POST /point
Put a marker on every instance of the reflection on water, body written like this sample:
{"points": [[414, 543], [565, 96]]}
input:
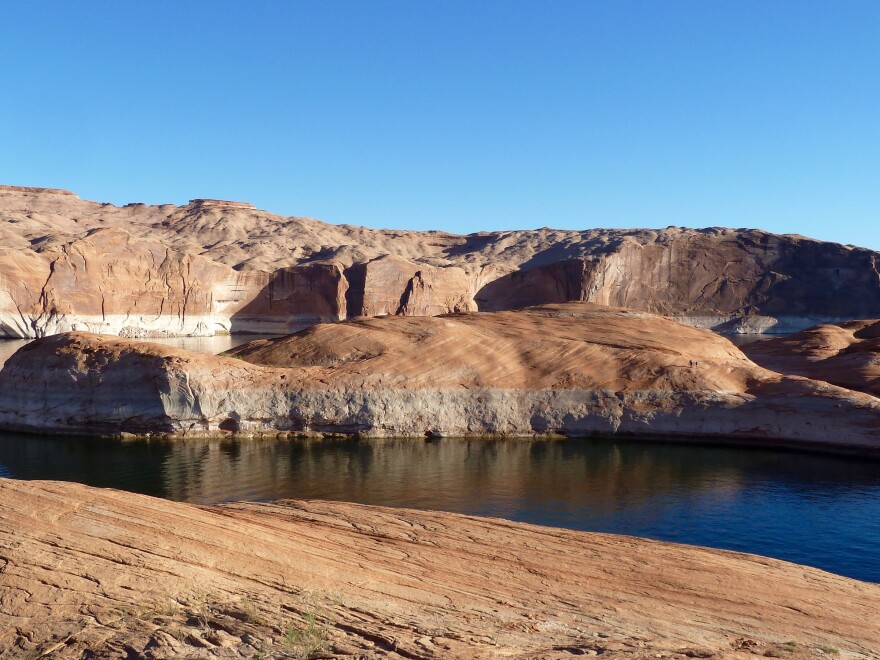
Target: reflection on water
{"points": [[744, 340], [817, 510], [212, 345], [8, 347]]}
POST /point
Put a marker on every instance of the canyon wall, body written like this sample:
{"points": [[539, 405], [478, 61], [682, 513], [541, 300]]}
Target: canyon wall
{"points": [[214, 266]]}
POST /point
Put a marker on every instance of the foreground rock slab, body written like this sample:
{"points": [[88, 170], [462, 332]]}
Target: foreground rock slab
{"points": [[99, 573], [572, 369]]}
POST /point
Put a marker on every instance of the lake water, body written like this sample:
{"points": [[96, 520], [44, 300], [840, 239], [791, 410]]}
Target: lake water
{"points": [[822, 511], [212, 345], [818, 510]]}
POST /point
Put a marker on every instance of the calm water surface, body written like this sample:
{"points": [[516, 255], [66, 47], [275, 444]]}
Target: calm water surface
{"points": [[818, 510], [212, 345]]}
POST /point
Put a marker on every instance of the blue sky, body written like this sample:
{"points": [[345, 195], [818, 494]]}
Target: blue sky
{"points": [[457, 115]]}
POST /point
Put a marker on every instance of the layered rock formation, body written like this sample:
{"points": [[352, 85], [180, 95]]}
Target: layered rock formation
{"points": [[104, 574], [845, 354], [571, 369], [214, 266], [112, 283]]}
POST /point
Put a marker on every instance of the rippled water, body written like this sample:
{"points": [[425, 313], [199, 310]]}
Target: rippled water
{"points": [[818, 510]]}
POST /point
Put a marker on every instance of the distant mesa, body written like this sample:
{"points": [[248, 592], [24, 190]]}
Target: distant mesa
{"points": [[36, 190], [221, 202]]}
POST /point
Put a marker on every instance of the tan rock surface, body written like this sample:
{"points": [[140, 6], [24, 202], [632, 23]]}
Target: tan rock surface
{"points": [[105, 574], [845, 354], [391, 285], [573, 369], [220, 257]]}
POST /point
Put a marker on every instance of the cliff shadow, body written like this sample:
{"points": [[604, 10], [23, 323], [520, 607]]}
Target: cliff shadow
{"points": [[562, 281], [294, 298]]}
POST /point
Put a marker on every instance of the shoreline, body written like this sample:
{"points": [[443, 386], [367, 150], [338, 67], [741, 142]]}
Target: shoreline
{"points": [[769, 333], [795, 446]]}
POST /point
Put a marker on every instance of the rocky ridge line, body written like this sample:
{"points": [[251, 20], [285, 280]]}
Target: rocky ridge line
{"points": [[215, 266]]}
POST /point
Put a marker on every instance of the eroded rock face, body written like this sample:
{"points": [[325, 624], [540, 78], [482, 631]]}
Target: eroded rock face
{"points": [[731, 280], [845, 354], [395, 286], [570, 369], [130, 575], [111, 283], [293, 298], [227, 266]]}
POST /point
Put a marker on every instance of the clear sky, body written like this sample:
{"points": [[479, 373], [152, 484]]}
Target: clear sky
{"points": [[461, 115]]}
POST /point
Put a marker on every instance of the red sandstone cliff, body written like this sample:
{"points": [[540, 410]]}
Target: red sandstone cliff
{"points": [[216, 266]]}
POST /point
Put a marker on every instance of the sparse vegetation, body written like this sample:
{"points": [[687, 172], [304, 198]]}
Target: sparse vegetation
{"points": [[197, 608], [304, 642], [250, 613]]}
